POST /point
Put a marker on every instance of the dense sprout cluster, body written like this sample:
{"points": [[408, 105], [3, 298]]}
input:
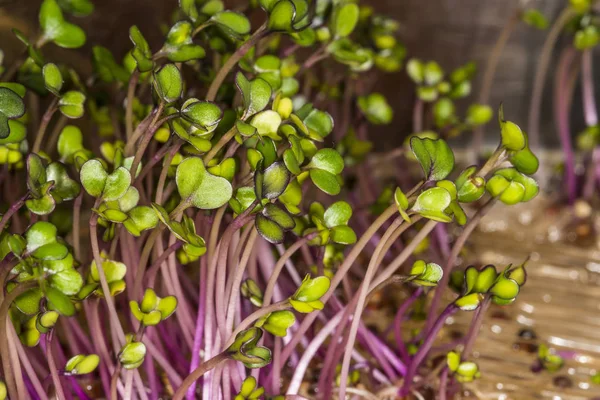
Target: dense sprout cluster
{"points": [[213, 209]]}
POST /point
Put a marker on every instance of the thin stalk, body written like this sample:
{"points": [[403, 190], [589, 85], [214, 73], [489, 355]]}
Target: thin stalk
{"points": [[199, 326], [233, 60], [219, 145], [133, 81], [417, 117], [9, 379], [152, 271], [342, 271], [490, 71], [564, 87], [44, 125], [113, 315], [146, 138], [449, 265], [139, 131], [280, 264], [237, 280], [540, 76], [113, 382], [425, 347], [402, 310], [35, 382], [587, 84], [12, 210], [362, 296], [256, 315], [60, 394], [197, 374], [475, 327]]}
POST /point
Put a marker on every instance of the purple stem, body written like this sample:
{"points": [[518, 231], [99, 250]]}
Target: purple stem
{"points": [[425, 347], [402, 310], [199, 328], [563, 87]]}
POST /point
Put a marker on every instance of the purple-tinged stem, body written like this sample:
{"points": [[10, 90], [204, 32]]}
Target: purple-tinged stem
{"points": [[425, 347], [12, 210], [564, 87], [451, 260], [199, 327], [589, 98], [60, 394], [540, 76], [475, 327], [443, 384], [402, 310]]}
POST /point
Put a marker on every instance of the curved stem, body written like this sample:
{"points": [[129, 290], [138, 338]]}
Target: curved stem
{"points": [[425, 347], [44, 125], [4, 347], [233, 60], [449, 265], [113, 383], [12, 210], [475, 327], [362, 296], [146, 138], [540, 76], [589, 98], [197, 374], [280, 264], [152, 271], [261, 312], [60, 394]]}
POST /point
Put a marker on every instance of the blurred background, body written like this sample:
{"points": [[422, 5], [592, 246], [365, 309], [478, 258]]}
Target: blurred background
{"points": [[451, 32]]}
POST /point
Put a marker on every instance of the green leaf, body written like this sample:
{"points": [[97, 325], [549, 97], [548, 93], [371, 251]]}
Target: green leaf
{"points": [[11, 107], [93, 177], [344, 20], [82, 364], [512, 137], [281, 16], [267, 123], [166, 306], [64, 187], [179, 46], [71, 104], [343, 234], [269, 229], [279, 216], [376, 108], [141, 51], [132, 355], [56, 29], [106, 67], [53, 79], [312, 289], [274, 180], [256, 94], [70, 141], [116, 184], [68, 282], [202, 114], [469, 302], [327, 160], [338, 213], [426, 274], [325, 181], [80, 8], [435, 156], [469, 187], [278, 322], [143, 217], [60, 302], [43, 205], [232, 22], [45, 321], [432, 204], [40, 234], [319, 124], [202, 189], [505, 289], [479, 114], [29, 302], [168, 83]]}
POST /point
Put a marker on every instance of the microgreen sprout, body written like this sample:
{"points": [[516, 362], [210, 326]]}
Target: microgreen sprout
{"points": [[157, 244]]}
